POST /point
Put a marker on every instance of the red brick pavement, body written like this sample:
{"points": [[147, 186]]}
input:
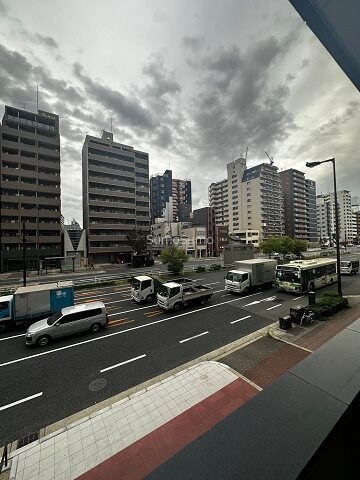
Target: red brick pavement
{"points": [[327, 330], [148, 453], [279, 362]]}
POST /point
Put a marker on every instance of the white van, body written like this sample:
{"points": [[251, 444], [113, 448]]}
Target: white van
{"points": [[87, 317]]}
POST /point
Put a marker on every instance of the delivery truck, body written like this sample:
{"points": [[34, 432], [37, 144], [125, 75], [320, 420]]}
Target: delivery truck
{"points": [[250, 274], [175, 296], [145, 288], [349, 267], [32, 303]]}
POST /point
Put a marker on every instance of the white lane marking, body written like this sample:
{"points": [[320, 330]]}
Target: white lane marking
{"points": [[86, 291], [267, 299], [123, 363], [207, 284], [13, 336], [240, 319], [191, 338], [118, 301], [298, 298], [226, 295], [121, 332], [275, 306], [20, 401], [199, 279]]}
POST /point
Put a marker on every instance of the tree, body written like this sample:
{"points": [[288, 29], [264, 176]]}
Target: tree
{"points": [[270, 245], [300, 246], [136, 238], [174, 258], [286, 245]]}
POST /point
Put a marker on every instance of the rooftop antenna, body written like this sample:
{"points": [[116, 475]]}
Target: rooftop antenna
{"points": [[37, 97], [246, 152], [111, 124], [270, 158]]}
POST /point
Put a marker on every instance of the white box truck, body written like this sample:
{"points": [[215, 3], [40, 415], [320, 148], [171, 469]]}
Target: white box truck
{"points": [[249, 274], [349, 267], [175, 296]]}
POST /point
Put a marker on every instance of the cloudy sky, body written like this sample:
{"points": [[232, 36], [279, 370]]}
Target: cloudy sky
{"points": [[191, 82]]}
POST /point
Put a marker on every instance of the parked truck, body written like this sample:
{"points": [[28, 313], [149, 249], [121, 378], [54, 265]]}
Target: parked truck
{"points": [[32, 303], [141, 260], [249, 274], [349, 267], [145, 288], [175, 296]]}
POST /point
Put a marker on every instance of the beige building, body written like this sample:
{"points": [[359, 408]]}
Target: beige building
{"points": [[30, 187], [218, 200], [115, 196]]}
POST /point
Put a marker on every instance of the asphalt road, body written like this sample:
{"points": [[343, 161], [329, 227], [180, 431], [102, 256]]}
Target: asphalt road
{"points": [[140, 342]]}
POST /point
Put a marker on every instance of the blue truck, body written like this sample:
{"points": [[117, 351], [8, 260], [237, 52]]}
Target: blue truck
{"points": [[32, 303]]}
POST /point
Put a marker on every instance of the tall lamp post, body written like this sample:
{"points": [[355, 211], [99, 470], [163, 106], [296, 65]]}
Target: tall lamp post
{"points": [[337, 234]]}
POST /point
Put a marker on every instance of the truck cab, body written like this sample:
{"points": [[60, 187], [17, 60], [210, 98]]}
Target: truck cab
{"points": [[143, 289], [170, 296], [6, 307], [237, 281]]}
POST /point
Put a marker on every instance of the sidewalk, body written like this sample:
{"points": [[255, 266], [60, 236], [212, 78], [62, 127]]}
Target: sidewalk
{"points": [[131, 437]]}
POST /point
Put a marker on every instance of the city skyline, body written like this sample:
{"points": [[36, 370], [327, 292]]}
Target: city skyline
{"points": [[185, 92]]}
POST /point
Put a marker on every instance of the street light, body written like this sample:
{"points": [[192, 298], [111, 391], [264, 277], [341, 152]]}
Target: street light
{"points": [[337, 234]]}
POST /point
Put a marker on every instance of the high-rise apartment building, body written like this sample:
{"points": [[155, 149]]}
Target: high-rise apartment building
{"points": [[218, 199], [250, 199], [325, 207], [182, 200], [262, 201], [161, 204], [170, 198], [30, 187], [299, 205], [115, 196]]}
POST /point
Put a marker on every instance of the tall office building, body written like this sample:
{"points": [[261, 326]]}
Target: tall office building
{"points": [[325, 207], [30, 187], [218, 199], [161, 205], [299, 205], [115, 196], [182, 200]]}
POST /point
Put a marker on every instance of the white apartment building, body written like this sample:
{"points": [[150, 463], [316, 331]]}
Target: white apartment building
{"points": [[218, 200], [325, 209]]}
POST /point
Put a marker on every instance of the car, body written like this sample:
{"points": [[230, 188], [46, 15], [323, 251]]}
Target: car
{"points": [[86, 317]]}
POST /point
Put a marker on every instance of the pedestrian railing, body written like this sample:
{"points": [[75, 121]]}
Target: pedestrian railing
{"points": [[4, 458]]}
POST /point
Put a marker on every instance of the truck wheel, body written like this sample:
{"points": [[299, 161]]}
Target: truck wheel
{"points": [[149, 299], [95, 327], [247, 290], [203, 301], [177, 307], [43, 341]]}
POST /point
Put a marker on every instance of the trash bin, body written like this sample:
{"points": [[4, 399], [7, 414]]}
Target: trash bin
{"points": [[285, 322], [296, 313], [312, 299]]}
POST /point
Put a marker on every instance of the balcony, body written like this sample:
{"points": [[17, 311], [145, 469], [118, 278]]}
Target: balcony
{"points": [[110, 249], [111, 193]]}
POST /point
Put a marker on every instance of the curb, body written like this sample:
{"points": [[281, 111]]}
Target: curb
{"points": [[275, 337]]}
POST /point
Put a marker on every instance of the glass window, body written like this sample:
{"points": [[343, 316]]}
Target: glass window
{"points": [[145, 284]]}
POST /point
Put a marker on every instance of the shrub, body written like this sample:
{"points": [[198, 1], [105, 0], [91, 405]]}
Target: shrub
{"points": [[329, 304], [215, 267], [200, 269]]}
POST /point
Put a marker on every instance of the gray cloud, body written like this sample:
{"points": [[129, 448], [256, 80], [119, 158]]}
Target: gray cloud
{"points": [[128, 110], [193, 43], [161, 81], [47, 41]]}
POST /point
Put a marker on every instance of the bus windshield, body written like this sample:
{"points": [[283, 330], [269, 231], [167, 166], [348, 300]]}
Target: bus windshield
{"points": [[288, 274]]}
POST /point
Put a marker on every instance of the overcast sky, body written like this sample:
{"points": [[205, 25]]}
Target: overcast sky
{"points": [[191, 82]]}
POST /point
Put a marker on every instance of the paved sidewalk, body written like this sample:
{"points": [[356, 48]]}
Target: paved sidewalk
{"points": [[132, 437], [157, 414]]}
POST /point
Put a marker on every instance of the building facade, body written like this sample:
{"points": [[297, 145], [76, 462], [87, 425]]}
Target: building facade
{"points": [[75, 245], [205, 217], [115, 196], [161, 205], [299, 205], [182, 200], [325, 207], [218, 200], [30, 187]]}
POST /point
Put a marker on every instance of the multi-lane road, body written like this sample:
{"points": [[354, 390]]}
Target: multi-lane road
{"points": [[41, 386]]}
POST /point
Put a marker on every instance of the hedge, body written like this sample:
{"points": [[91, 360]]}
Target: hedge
{"points": [[329, 304]]}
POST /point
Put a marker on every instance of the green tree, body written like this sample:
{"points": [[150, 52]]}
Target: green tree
{"points": [[300, 246], [270, 245], [136, 238], [175, 258], [286, 245]]}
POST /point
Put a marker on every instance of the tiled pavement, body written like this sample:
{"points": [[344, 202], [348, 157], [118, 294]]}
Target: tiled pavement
{"points": [[129, 439]]}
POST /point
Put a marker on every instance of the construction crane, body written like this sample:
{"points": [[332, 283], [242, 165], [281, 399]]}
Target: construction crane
{"points": [[270, 158]]}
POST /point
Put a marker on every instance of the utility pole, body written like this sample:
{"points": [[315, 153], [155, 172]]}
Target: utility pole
{"points": [[24, 254]]}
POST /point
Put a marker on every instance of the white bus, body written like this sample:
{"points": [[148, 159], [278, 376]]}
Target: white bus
{"points": [[306, 275]]}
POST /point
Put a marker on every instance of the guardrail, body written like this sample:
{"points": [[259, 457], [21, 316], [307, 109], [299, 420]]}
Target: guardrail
{"points": [[4, 458]]}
